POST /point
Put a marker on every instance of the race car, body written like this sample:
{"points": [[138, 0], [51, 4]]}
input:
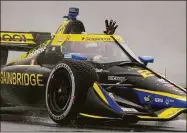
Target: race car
{"points": [[73, 74]]}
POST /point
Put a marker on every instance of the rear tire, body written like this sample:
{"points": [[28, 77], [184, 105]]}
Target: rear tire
{"points": [[66, 89]]}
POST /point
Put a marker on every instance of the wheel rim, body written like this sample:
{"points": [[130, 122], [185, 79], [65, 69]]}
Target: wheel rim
{"points": [[59, 92]]}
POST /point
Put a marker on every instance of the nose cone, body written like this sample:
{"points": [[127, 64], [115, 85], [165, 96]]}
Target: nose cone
{"points": [[177, 103]]}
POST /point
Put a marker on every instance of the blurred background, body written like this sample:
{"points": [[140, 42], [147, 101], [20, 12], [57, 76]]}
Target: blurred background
{"points": [[156, 28]]}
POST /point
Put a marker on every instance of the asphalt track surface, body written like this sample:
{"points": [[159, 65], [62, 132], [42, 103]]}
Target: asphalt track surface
{"points": [[20, 123]]}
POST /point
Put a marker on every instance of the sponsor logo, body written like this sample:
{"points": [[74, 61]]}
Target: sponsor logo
{"points": [[168, 101], [68, 37], [129, 109], [165, 83], [37, 51], [68, 55], [96, 39], [147, 98], [145, 73], [62, 65], [111, 95], [159, 100], [115, 78], [24, 79], [14, 37], [162, 81]]}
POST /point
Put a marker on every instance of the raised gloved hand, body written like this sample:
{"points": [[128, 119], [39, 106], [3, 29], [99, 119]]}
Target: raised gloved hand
{"points": [[110, 27]]}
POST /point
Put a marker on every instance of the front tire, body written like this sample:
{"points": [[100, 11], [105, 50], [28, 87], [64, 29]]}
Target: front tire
{"points": [[66, 89]]}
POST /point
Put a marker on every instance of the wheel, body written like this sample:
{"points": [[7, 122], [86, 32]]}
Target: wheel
{"points": [[66, 89]]}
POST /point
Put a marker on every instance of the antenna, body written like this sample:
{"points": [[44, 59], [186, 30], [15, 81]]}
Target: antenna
{"points": [[165, 73]]}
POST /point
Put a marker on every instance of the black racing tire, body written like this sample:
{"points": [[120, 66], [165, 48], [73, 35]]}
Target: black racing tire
{"points": [[52, 55], [72, 79]]}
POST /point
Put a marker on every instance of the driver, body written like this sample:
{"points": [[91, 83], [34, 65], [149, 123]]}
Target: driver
{"points": [[110, 30], [85, 49]]}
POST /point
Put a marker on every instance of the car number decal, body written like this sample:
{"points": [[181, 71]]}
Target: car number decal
{"points": [[145, 73]]}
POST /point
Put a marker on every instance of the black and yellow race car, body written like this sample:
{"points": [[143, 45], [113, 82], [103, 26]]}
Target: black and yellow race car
{"points": [[73, 74]]}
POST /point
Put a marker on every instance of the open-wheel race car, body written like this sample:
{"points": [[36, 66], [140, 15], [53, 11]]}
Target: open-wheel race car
{"points": [[73, 74]]}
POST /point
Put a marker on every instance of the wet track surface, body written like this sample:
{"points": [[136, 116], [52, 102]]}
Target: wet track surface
{"points": [[33, 123]]}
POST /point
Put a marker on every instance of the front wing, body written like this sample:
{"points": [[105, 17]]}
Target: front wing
{"points": [[97, 97]]}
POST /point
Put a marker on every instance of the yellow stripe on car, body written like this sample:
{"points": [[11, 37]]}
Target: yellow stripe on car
{"points": [[62, 27], [163, 94], [92, 116], [166, 114], [59, 39], [99, 92]]}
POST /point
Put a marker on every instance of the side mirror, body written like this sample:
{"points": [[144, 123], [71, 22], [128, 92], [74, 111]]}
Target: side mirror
{"points": [[146, 59]]}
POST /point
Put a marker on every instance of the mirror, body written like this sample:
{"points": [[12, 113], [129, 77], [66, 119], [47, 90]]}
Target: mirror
{"points": [[146, 59]]}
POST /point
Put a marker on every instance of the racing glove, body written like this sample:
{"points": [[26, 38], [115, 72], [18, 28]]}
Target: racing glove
{"points": [[110, 27]]}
